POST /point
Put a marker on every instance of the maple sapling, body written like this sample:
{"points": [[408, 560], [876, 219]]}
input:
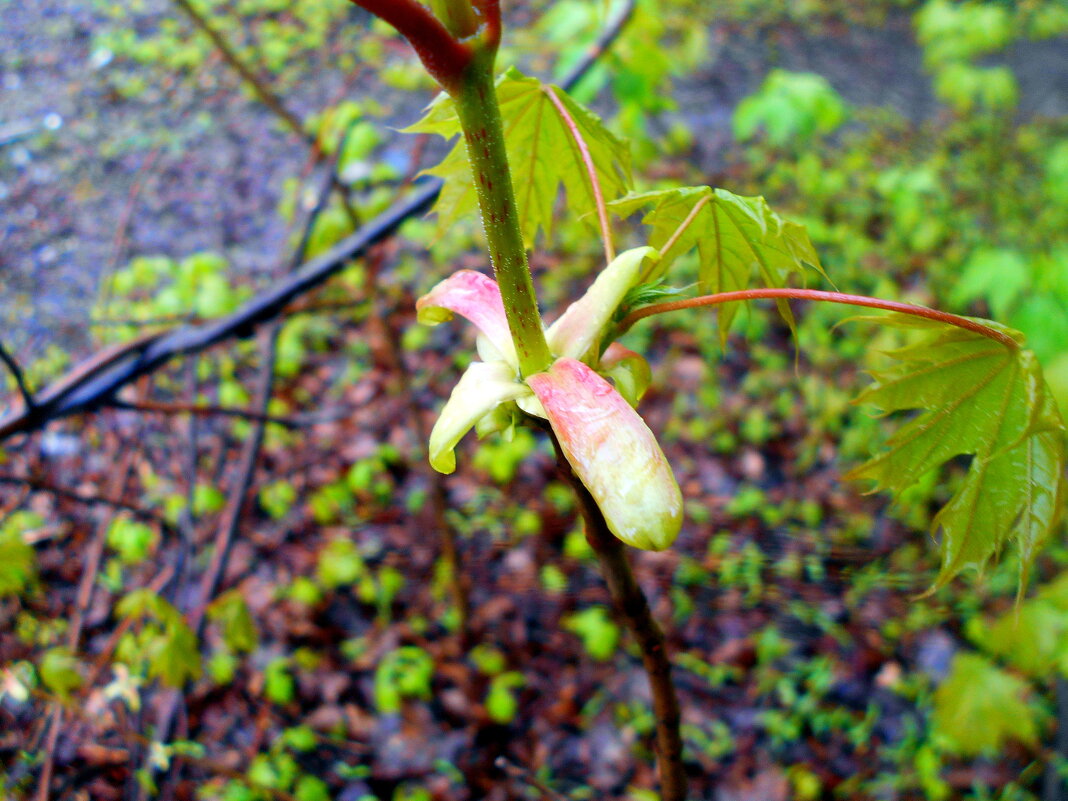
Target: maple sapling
{"points": [[975, 389]]}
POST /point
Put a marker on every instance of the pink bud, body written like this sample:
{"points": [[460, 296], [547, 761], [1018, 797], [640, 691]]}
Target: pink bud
{"points": [[476, 297], [613, 453]]}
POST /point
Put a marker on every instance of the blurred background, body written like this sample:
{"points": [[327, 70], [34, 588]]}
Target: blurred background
{"points": [[152, 176]]}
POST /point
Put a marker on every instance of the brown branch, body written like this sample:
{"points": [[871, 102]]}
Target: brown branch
{"points": [[44, 782], [227, 531], [966, 323], [231, 518], [83, 373], [632, 606], [239, 493], [301, 307], [264, 92]]}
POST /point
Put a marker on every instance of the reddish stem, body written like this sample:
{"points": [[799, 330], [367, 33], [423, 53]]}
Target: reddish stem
{"points": [[832, 297], [591, 171], [444, 57]]}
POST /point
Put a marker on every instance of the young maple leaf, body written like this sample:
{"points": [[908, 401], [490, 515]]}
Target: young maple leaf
{"points": [[977, 397], [740, 241], [542, 151]]}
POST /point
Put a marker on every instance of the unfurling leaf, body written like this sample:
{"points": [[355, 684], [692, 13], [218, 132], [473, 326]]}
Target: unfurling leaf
{"points": [[542, 152], [977, 397], [740, 241], [979, 706]]}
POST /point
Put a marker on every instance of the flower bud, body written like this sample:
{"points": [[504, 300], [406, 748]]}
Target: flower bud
{"points": [[613, 453]]}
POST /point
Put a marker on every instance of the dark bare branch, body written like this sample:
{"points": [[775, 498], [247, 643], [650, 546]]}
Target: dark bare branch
{"points": [[20, 379]]}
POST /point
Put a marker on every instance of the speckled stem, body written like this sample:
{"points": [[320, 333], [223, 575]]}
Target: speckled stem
{"points": [[476, 103]]}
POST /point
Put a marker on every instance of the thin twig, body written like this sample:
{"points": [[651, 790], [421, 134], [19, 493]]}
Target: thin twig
{"points": [[200, 410], [122, 322], [264, 92], [301, 307], [187, 518], [88, 372], [231, 518], [591, 172], [20, 379], [44, 781], [520, 774], [966, 323], [40, 485], [239, 493], [122, 229]]}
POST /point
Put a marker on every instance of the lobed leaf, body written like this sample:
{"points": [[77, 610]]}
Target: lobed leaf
{"points": [[739, 241], [542, 152], [978, 398]]}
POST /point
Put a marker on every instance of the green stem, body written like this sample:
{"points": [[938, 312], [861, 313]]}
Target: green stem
{"points": [[480, 117]]}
